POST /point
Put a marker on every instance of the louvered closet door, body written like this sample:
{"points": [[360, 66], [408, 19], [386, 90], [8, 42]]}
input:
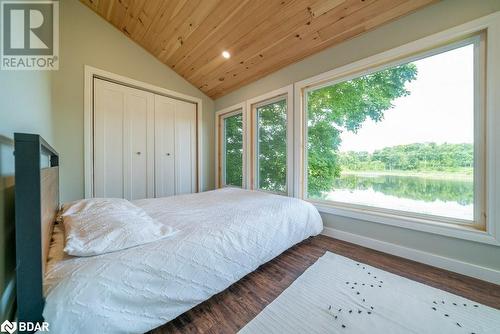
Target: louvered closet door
{"points": [[123, 141], [175, 147]]}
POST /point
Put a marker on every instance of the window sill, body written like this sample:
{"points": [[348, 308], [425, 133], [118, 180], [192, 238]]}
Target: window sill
{"points": [[418, 224]]}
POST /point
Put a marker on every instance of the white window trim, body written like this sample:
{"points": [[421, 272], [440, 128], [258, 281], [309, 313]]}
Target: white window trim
{"points": [[491, 235], [254, 119], [286, 91], [219, 115]]}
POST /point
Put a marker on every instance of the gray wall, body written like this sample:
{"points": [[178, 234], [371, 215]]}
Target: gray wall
{"points": [[87, 39], [25, 103], [429, 20]]}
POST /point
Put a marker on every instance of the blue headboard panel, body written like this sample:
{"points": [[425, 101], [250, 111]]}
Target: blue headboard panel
{"points": [[7, 234], [36, 206]]}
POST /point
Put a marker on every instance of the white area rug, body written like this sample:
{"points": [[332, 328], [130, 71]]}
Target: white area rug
{"points": [[339, 295]]}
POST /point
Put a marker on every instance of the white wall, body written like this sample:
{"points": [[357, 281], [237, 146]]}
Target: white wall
{"points": [[87, 39], [427, 21]]}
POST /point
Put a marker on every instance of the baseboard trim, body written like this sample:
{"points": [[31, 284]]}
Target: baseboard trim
{"points": [[464, 268]]}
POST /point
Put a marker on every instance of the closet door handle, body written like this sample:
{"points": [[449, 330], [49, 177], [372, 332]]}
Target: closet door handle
{"points": [[138, 153], [168, 154]]}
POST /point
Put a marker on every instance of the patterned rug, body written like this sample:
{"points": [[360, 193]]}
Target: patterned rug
{"points": [[339, 295]]}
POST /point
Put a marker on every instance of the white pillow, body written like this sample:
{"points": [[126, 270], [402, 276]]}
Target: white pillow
{"points": [[102, 225]]}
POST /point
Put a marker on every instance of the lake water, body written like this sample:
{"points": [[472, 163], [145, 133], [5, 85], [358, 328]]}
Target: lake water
{"points": [[440, 197]]}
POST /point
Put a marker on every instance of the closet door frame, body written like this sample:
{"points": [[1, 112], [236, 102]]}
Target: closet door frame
{"points": [[88, 106]]}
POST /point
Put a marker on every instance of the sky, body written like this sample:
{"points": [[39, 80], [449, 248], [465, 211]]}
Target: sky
{"points": [[439, 109]]}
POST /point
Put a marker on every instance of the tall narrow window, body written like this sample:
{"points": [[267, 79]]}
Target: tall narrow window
{"points": [[271, 145], [406, 138], [231, 163]]}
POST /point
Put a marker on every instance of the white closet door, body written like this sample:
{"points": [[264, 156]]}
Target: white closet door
{"points": [[109, 103], [123, 141], [175, 147], [138, 144], [185, 148], [164, 146]]}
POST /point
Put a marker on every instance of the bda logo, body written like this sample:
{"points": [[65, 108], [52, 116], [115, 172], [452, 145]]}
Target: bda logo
{"points": [[8, 327], [23, 326]]}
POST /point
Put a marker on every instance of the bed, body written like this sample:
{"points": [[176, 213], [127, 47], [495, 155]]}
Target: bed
{"points": [[222, 236]]}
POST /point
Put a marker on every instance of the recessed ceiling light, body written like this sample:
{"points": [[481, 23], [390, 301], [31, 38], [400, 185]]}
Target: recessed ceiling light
{"points": [[226, 54]]}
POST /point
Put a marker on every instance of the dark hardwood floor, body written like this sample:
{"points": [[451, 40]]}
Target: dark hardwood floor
{"points": [[231, 309]]}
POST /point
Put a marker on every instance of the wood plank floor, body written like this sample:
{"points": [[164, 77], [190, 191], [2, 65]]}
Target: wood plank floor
{"points": [[231, 309]]}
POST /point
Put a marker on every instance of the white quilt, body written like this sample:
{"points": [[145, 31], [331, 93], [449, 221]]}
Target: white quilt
{"points": [[224, 235]]}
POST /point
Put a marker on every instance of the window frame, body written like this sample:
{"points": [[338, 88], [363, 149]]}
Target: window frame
{"points": [[478, 222], [489, 197], [255, 165], [252, 105], [220, 116], [490, 24]]}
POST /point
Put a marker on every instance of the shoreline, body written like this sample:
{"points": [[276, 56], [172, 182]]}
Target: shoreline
{"points": [[427, 175]]}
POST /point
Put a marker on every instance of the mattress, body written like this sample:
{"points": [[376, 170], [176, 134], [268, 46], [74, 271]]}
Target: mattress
{"points": [[223, 235]]}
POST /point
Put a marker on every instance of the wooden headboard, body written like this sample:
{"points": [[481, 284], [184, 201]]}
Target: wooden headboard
{"points": [[36, 207]]}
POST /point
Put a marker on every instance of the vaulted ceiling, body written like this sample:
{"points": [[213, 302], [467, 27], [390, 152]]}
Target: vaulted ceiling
{"points": [[262, 36]]}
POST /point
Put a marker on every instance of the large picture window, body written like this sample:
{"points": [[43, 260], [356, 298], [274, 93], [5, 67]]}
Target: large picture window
{"points": [[270, 158], [404, 138]]}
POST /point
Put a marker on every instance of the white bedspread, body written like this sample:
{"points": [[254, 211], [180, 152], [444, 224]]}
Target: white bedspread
{"points": [[224, 235]]}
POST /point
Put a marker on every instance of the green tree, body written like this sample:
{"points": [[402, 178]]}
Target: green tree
{"points": [[418, 156], [233, 150], [331, 110], [344, 107], [271, 148]]}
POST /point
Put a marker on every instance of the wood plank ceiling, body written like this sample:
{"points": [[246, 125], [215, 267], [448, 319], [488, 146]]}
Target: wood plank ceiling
{"points": [[262, 36]]}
